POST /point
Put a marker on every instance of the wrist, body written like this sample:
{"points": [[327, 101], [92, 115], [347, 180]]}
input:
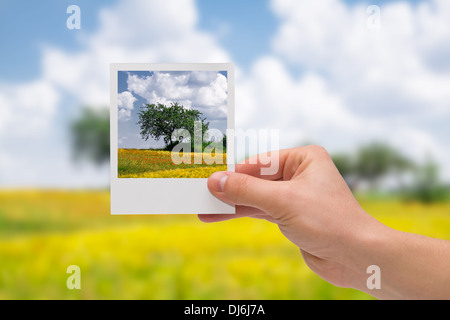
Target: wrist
{"points": [[373, 248]]}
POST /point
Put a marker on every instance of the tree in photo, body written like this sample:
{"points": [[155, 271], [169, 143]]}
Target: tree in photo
{"points": [[160, 121]]}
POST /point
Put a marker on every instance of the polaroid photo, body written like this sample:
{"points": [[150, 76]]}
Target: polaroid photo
{"points": [[169, 125]]}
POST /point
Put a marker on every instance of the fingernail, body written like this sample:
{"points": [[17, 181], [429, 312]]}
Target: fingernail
{"points": [[217, 181], [222, 181]]}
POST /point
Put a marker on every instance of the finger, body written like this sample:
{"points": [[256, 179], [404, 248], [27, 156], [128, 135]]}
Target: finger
{"points": [[215, 217], [245, 190], [268, 166], [241, 211]]}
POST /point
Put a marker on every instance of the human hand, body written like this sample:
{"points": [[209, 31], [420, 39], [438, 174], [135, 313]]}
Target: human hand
{"points": [[311, 204], [314, 208]]}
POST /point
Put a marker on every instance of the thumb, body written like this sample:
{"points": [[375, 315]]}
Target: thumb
{"points": [[244, 190]]}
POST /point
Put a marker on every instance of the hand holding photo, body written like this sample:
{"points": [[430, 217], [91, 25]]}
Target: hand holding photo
{"points": [[169, 126]]}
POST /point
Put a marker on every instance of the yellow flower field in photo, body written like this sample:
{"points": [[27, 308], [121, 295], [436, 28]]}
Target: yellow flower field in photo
{"points": [[137, 163]]}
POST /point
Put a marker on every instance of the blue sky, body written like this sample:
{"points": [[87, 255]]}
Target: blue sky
{"points": [[43, 23], [27, 26], [245, 27], [311, 69]]}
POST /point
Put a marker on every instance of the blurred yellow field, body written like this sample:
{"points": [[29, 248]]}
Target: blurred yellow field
{"points": [[164, 257]]}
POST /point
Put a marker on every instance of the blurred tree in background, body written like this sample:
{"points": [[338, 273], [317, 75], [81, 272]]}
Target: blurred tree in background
{"points": [[427, 186], [90, 135], [346, 166], [376, 161], [371, 163]]}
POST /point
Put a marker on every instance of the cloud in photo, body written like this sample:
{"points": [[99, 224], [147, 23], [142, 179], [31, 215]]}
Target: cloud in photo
{"points": [[205, 91], [125, 103]]}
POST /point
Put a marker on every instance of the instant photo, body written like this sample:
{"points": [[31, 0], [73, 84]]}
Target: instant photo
{"points": [[169, 125]]}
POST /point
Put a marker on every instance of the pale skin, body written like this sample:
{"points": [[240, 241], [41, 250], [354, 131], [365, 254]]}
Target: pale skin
{"points": [[314, 208]]}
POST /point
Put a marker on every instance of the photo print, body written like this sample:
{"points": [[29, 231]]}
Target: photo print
{"points": [[169, 125]]}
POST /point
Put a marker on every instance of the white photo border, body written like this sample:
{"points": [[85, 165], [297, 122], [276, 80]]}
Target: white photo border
{"points": [[166, 195]]}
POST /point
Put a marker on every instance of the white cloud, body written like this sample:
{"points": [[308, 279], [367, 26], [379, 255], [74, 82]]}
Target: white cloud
{"points": [[129, 31], [125, 101], [386, 70], [356, 84], [302, 109], [161, 87], [204, 91], [215, 93], [27, 109], [5, 113]]}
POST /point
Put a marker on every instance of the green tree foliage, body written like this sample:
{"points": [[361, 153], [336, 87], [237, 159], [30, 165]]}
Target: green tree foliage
{"points": [[160, 121], [224, 143], [90, 135], [375, 160], [344, 163], [427, 186], [371, 163], [346, 166]]}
